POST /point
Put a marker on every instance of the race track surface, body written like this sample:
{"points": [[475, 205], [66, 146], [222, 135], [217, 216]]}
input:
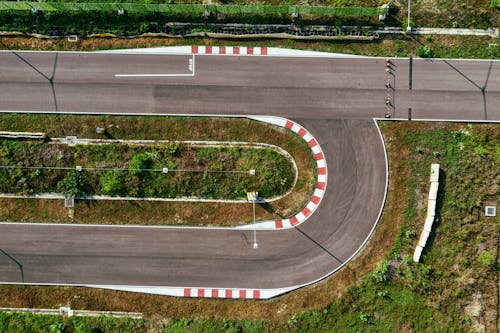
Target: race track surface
{"points": [[335, 99]]}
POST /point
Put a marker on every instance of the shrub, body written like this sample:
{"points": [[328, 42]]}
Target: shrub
{"points": [[74, 184], [139, 162], [112, 182], [486, 259], [380, 274], [425, 52]]}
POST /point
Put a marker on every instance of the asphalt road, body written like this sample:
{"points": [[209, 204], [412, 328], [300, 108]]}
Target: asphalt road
{"points": [[288, 87], [333, 98]]}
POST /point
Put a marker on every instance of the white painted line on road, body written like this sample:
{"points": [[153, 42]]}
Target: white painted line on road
{"points": [[439, 120], [191, 68], [152, 75]]}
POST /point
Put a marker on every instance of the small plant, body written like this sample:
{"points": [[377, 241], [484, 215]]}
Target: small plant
{"points": [[425, 52], [486, 259], [410, 234], [481, 151], [364, 318], [380, 274], [112, 182]]}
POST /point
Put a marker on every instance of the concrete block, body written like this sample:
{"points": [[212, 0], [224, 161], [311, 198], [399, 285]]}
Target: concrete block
{"points": [[434, 172], [433, 190], [417, 253], [428, 223], [423, 238], [431, 207]]}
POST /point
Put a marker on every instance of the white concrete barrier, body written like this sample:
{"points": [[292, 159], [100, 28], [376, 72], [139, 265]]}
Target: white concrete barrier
{"points": [[418, 253], [431, 212], [433, 190]]}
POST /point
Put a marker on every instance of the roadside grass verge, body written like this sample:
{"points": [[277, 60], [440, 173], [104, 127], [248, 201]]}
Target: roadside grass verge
{"points": [[127, 19], [442, 46], [455, 288], [161, 128], [25, 322]]}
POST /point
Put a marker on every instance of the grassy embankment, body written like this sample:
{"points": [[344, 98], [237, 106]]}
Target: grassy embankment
{"points": [[162, 128], [454, 288]]}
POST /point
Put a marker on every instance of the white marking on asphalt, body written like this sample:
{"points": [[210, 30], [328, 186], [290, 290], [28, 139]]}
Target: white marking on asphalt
{"points": [[191, 68]]}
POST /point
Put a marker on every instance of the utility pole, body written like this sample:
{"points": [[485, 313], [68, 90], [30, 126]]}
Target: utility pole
{"points": [[408, 28], [252, 196]]}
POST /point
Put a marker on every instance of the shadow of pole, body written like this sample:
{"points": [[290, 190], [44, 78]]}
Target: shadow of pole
{"points": [[319, 245], [482, 89], [268, 208], [17, 263], [49, 79]]}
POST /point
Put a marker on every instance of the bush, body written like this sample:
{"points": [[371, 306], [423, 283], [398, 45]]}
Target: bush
{"points": [[380, 274], [425, 52], [74, 184], [139, 162], [112, 182]]}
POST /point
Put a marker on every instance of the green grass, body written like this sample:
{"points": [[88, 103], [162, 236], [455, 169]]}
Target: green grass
{"points": [[208, 170], [25, 322]]}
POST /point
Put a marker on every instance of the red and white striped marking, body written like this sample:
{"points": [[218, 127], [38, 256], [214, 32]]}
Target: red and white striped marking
{"points": [[320, 184], [222, 293], [229, 50]]}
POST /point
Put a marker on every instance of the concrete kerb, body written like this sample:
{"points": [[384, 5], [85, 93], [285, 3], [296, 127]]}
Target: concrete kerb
{"points": [[321, 182]]}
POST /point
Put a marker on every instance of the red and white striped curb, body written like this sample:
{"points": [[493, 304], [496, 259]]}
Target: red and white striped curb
{"points": [[229, 50], [320, 189], [222, 293]]}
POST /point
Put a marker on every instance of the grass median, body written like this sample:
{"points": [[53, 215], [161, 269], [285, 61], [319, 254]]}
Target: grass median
{"points": [[204, 179]]}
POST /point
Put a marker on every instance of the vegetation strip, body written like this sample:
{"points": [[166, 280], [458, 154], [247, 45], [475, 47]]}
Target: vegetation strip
{"points": [[157, 170], [125, 19], [174, 129]]}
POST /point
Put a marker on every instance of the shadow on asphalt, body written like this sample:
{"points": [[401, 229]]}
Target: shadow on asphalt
{"points": [[21, 270], [481, 88], [50, 79], [319, 245]]}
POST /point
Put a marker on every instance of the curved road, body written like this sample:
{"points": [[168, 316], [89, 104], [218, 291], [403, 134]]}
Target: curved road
{"points": [[334, 99]]}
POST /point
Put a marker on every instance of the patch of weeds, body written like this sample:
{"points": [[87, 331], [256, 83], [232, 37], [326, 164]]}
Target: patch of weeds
{"points": [[486, 259]]}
